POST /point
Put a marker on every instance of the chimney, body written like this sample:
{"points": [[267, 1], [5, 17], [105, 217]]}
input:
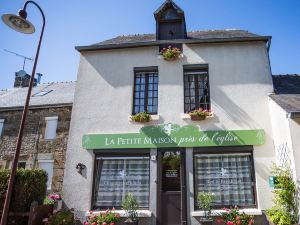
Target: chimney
{"points": [[22, 79], [39, 77]]}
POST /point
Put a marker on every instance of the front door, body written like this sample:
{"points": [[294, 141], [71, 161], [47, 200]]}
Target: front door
{"points": [[171, 186]]}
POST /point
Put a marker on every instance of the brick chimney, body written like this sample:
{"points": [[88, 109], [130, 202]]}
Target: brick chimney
{"points": [[22, 79]]}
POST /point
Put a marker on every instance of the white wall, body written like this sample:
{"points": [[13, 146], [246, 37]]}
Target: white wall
{"points": [[240, 82], [295, 135]]}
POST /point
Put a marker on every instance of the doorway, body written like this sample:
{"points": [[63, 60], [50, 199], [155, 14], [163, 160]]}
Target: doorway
{"points": [[171, 187]]}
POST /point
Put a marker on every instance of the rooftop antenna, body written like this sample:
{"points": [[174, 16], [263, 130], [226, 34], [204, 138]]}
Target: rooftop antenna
{"points": [[22, 56]]}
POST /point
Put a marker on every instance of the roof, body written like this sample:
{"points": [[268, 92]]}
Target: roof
{"points": [[138, 40], [166, 4], [286, 84], [41, 95], [289, 102]]}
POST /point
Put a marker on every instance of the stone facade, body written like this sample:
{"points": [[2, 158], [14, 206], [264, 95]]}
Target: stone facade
{"points": [[34, 145]]}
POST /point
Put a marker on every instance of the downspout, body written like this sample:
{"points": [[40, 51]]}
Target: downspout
{"points": [[36, 145]]}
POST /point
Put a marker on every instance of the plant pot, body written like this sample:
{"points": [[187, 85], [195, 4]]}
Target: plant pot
{"points": [[197, 117], [205, 221], [136, 222]]}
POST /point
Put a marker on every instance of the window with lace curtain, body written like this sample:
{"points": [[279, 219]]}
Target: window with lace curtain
{"points": [[229, 176], [117, 176]]}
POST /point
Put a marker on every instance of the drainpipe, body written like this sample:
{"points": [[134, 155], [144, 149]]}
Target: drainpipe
{"points": [[37, 141]]}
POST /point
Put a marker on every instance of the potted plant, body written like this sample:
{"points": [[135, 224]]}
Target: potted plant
{"points": [[205, 201], [130, 205], [109, 217], [285, 210], [141, 117], [234, 217], [170, 54], [199, 114]]}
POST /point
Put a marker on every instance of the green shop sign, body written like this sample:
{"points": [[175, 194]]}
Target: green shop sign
{"points": [[172, 135]]}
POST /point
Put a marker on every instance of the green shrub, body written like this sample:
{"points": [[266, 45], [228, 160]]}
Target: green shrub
{"points": [[61, 218], [141, 117], [285, 210], [30, 185]]}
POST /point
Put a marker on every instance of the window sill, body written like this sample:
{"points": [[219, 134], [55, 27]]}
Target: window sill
{"points": [[252, 212], [186, 116], [154, 117], [141, 213]]}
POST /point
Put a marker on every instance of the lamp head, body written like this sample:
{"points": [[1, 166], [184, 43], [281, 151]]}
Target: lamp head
{"points": [[19, 22]]}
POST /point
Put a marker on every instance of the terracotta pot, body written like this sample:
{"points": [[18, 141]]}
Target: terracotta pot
{"points": [[197, 117], [204, 221], [132, 222]]}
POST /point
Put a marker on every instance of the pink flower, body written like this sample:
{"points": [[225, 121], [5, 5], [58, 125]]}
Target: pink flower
{"points": [[91, 212], [113, 208], [251, 222], [45, 220], [230, 223], [86, 223], [102, 223], [56, 197], [112, 224], [169, 47], [238, 218]]}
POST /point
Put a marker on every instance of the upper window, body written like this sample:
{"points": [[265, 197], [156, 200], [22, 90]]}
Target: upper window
{"points": [[1, 126], [145, 97], [117, 176], [196, 90], [230, 177], [51, 126]]}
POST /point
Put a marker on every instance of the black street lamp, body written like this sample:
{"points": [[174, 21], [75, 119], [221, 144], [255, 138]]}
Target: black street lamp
{"points": [[20, 24]]}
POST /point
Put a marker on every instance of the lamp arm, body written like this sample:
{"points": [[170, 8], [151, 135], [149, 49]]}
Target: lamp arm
{"points": [[22, 124]]}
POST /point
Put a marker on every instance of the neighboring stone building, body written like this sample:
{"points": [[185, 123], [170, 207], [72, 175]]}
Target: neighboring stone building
{"points": [[46, 131], [167, 162], [285, 117]]}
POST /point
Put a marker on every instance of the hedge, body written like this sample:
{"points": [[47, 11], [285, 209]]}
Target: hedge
{"points": [[30, 185]]}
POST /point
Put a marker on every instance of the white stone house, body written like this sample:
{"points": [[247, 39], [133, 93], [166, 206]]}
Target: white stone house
{"points": [[166, 162]]}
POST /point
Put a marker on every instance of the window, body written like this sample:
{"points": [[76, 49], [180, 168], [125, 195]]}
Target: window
{"points": [[22, 165], [47, 165], [117, 176], [51, 126], [196, 90], [229, 176], [1, 126], [41, 93], [145, 97]]}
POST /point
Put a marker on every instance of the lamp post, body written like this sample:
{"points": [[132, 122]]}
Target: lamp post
{"points": [[20, 24]]}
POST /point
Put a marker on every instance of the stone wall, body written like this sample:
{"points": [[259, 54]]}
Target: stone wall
{"points": [[34, 145]]}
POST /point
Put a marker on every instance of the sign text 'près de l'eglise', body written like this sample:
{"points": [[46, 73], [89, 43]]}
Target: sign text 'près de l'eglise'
{"points": [[172, 135]]}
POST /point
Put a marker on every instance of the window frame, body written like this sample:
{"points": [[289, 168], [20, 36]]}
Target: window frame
{"points": [[226, 150], [1, 127], [146, 70], [48, 131], [196, 68], [117, 153]]}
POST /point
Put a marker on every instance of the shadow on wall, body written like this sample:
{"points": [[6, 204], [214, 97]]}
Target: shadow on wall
{"points": [[235, 113]]}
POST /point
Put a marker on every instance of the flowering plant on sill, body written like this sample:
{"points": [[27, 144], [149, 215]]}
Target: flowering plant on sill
{"points": [[170, 54], [234, 217], [199, 114], [106, 218], [141, 117]]}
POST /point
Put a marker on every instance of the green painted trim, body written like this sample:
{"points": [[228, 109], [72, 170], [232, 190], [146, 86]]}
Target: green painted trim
{"points": [[172, 135]]}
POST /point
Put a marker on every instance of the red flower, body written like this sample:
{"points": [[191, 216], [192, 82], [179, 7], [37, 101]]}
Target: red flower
{"points": [[104, 223], [94, 223], [238, 222], [91, 212], [230, 223], [112, 224], [251, 222], [85, 223]]}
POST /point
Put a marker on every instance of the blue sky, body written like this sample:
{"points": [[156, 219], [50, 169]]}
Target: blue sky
{"points": [[75, 22]]}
